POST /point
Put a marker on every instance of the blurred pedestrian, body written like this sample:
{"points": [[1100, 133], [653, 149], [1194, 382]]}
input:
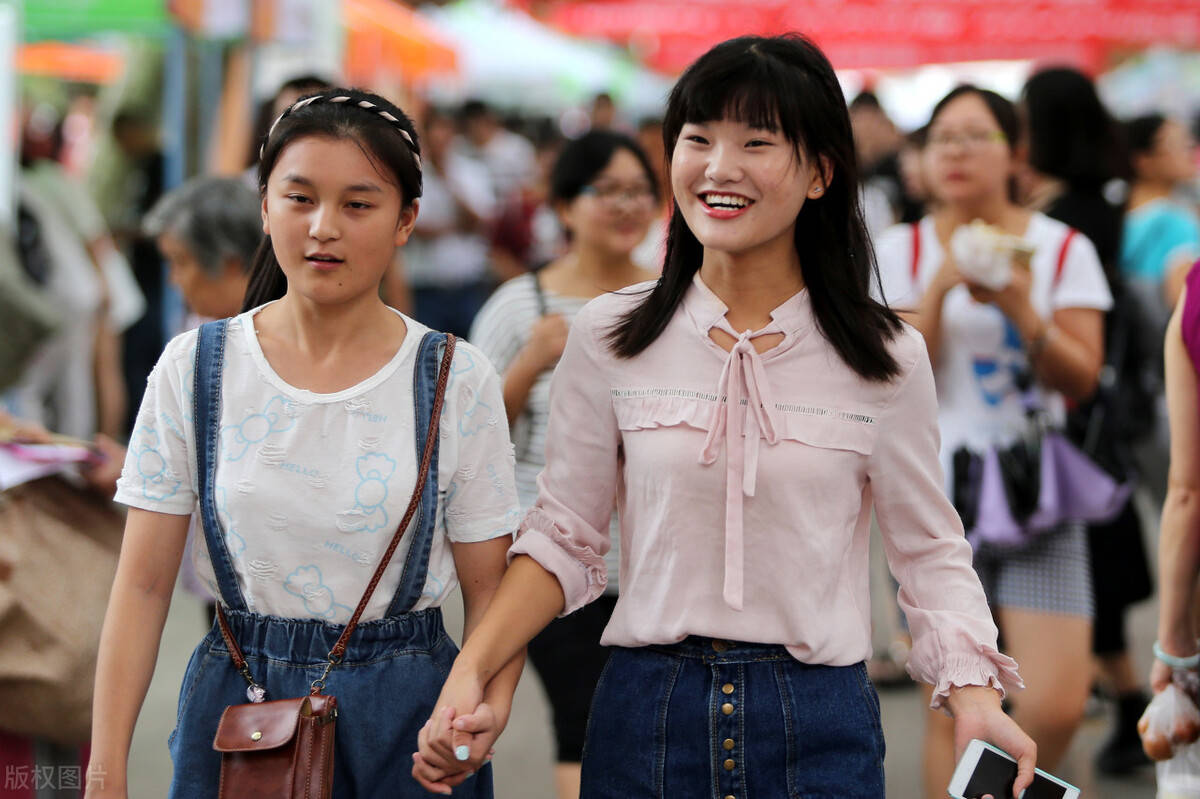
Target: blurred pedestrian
{"points": [[605, 192], [208, 230], [509, 157], [1043, 328], [1161, 236], [1075, 152], [741, 626], [447, 261], [291, 421]]}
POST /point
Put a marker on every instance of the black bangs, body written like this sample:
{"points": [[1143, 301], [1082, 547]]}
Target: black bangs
{"points": [[741, 82]]}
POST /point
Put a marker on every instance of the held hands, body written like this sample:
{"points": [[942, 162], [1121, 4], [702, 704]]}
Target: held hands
{"points": [[462, 724], [977, 714], [1012, 300]]}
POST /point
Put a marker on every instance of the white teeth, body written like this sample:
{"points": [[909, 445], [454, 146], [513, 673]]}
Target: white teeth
{"points": [[728, 200]]}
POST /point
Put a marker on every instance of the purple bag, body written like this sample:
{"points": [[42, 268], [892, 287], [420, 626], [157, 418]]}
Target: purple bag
{"points": [[1071, 488]]}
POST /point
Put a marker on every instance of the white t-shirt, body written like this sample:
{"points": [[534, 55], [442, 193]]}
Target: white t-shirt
{"points": [[981, 354], [450, 258], [310, 487], [501, 330]]}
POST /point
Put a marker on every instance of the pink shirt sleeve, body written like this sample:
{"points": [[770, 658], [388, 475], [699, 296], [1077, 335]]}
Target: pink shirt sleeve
{"points": [[954, 638], [566, 531]]}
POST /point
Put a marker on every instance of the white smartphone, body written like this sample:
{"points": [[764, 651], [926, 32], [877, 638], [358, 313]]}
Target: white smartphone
{"points": [[984, 769]]}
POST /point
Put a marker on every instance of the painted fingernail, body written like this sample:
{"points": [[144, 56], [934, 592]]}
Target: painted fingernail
{"points": [[462, 752]]}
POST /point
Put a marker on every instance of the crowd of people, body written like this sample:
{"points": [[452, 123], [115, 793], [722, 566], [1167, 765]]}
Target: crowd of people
{"points": [[905, 317]]}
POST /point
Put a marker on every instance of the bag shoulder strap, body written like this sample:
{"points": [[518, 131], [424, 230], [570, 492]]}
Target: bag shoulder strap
{"points": [[539, 292], [1062, 256], [339, 649]]}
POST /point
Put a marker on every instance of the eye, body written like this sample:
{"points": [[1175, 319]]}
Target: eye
{"points": [[359, 206], [758, 143], [696, 138], [297, 198]]}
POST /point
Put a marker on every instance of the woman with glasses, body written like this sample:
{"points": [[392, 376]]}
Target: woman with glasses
{"points": [[1043, 329], [605, 193]]}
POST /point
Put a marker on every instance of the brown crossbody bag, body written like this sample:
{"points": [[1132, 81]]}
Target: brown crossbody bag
{"points": [[284, 749]]}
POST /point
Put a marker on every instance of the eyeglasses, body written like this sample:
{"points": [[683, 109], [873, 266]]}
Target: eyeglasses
{"points": [[969, 140], [613, 194]]}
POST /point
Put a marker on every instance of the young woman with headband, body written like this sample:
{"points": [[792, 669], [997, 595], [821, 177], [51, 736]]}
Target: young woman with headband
{"points": [[296, 429]]}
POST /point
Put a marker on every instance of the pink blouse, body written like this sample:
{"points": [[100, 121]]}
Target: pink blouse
{"points": [[744, 485]]}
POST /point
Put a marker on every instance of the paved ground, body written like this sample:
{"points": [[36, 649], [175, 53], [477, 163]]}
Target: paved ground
{"points": [[523, 760]]}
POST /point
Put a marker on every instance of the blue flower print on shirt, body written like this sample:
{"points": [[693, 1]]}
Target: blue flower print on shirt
{"points": [[307, 583], [997, 375], [433, 587], [158, 481], [478, 415], [463, 362], [233, 542], [255, 428], [368, 514]]}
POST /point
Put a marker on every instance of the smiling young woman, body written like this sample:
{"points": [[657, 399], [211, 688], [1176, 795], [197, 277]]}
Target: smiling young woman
{"points": [[746, 412]]}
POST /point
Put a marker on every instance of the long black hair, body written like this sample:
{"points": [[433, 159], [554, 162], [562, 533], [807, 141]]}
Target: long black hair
{"points": [[1072, 136], [785, 84], [384, 133]]}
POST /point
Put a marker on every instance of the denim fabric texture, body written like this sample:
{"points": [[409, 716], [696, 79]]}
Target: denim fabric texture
{"points": [[709, 719], [394, 667]]}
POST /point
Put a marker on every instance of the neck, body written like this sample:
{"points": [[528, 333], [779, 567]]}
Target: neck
{"points": [[995, 211], [320, 330], [754, 283], [1144, 191], [602, 270]]}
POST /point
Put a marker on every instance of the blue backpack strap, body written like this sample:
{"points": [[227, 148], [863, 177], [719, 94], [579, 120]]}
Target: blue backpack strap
{"points": [[206, 413], [416, 564]]}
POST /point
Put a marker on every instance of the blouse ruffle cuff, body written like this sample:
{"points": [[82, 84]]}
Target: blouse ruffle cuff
{"points": [[987, 666], [580, 570]]}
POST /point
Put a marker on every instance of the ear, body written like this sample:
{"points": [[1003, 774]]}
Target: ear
{"points": [[265, 221], [562, 212], [408, 219], [821, 180]]}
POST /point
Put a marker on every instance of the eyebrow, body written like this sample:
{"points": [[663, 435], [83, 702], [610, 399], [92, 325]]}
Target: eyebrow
{"points": [[303, 181]]}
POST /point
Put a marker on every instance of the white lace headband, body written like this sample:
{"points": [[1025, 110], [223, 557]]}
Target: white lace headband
{"points": [[366, 105]]}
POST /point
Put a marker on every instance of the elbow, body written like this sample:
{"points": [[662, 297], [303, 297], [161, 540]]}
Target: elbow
{"points": [[1183, 499], [1084, 384]]}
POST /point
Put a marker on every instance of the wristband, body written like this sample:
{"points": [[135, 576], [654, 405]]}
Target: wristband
{"points": [[1038, 345], [1189, 662]]}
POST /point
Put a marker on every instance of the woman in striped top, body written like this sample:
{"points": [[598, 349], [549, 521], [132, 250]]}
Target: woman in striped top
{"points": [[605, 193]]}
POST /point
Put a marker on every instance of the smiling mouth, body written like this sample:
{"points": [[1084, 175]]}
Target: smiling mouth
{"points": [[725, 202]]}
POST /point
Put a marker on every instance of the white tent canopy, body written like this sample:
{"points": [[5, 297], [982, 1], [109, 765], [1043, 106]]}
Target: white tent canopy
{"points": [[514, 61]]}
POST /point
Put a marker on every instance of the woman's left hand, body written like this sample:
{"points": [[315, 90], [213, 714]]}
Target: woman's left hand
{"points": [[1013, 299], [977, 714]]}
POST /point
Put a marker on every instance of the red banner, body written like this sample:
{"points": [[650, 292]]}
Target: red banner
{"points": [[888, 33]]}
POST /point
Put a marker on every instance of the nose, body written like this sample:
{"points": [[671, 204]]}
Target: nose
{"points": [[724, 164], [323, 225]]}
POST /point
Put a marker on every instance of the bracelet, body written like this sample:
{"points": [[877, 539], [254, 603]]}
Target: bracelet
{"points": [[1189, 662], [1038, 345]]}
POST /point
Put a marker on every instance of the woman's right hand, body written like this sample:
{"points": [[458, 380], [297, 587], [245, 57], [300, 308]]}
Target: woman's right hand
{"points": [[547, 339], [437, 763]]}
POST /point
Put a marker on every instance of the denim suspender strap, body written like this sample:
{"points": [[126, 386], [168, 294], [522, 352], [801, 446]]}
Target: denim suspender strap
{"points": [[206, 414], [416, 565]]}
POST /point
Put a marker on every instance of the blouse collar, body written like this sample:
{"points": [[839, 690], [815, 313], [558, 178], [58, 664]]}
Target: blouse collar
{"points": [[708, 311]]}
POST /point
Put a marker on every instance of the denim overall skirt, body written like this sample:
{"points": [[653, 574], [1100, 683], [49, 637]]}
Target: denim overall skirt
{"points": [[394, 667], [713, 719]]}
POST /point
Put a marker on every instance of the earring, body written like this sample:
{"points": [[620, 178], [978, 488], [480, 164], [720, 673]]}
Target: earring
{"points": [[818, 190]]}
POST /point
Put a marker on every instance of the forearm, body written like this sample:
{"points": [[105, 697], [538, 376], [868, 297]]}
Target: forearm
{"points": [[1059, 361], [1178, 567], [529, 598], [518, 382], [129, 644], [927, 319]]}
